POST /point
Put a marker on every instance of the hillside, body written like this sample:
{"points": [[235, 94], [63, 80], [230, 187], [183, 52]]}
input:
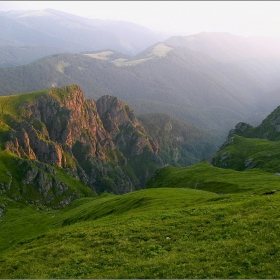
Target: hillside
{"points": [[257, 56], [50, 32], [154, 233], [179, 143], [249, 147], [100, 143], [185, 84], [58, 132]]}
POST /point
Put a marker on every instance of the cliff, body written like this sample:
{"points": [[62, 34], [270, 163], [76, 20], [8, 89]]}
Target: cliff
{"points": [[101, 142]]}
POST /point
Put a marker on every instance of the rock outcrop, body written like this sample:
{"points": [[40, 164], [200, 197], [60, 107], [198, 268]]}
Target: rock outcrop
{"points": [[101, 143], [126, 131]]}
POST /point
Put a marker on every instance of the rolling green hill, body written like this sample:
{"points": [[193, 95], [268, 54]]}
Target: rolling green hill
{"points": [[178, 232]]}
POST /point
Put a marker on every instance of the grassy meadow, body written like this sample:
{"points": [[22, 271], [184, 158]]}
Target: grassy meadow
{"points": [[194, 222]]}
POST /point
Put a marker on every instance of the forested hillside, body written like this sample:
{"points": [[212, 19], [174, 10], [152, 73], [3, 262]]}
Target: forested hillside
{"points": [[258, 56], [180, 143], [186, 84]]}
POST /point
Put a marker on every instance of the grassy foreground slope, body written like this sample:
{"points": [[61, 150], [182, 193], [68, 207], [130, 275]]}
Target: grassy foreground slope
{"points": [[173, 232], [206, 177]]}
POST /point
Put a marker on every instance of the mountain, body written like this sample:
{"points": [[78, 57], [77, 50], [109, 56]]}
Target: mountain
{"points": [[226, 47], [179, 143], [100, 143], [52, 138], [188, 85], [51, 31], [249, 147], [258, 56], [249, 160]]}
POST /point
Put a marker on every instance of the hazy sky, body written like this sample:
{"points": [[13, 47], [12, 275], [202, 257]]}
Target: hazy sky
{"points": [[180, 17]]}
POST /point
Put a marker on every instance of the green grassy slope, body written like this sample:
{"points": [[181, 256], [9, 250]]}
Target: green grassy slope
{"points": [[247, 153], [249, 147], [10, 104], [206, 177], [175, 232]]}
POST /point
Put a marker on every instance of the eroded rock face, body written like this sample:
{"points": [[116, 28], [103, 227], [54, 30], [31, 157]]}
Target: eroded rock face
{"points": [[92, 140], [124, 128], [25, 142], [71, 119], [44, 177]]}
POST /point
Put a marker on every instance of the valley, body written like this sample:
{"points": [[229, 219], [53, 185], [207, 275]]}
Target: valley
{"points": [[126, 154], [187, 85]]}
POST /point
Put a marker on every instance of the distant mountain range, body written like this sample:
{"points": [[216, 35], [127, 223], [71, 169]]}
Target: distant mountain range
{"points": [[212, 80], [29, 35], [186, 84], [259, 56], [227, 47]]}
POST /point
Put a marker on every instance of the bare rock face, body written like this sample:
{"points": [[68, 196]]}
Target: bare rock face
{"points": [[40, 176], [26, 142], [93, 141], [120, 121], [69, 118]]}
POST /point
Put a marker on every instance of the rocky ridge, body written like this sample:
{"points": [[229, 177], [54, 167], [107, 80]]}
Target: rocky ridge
{"points": [[100, 143]]}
